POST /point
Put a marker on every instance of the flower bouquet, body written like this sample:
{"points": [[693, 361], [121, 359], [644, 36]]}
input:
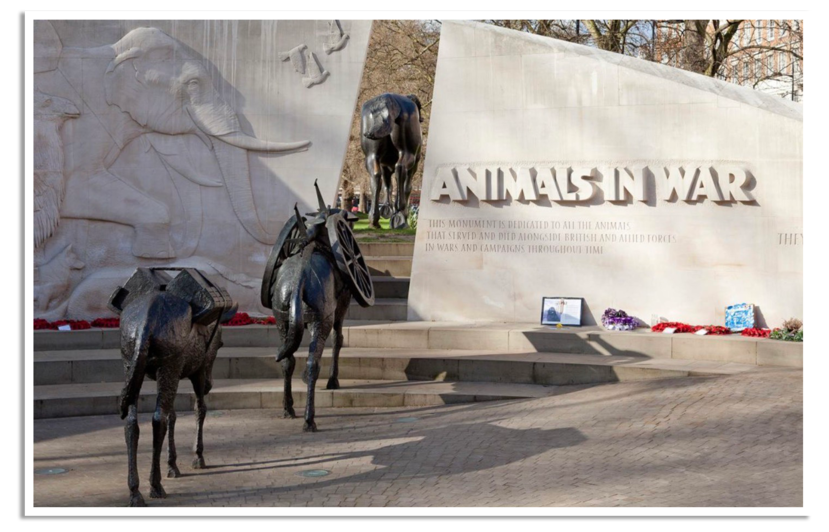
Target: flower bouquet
{"points": [[618, 320], [685, 328], [243, 318], [76, 325], [792, 331], [756, 332]]}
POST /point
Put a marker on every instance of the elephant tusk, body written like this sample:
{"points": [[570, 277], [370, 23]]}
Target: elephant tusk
{"points": [[241, 140]]}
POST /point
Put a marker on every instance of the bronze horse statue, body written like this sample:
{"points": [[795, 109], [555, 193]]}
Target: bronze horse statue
{"points": [[170, 330], [311, 276], [391, 140]]}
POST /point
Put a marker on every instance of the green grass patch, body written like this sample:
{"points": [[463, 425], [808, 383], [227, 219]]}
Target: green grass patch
{"points": [[384, 234]]}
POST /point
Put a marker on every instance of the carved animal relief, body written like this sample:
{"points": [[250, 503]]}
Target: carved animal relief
{"points": [[337, 38]]}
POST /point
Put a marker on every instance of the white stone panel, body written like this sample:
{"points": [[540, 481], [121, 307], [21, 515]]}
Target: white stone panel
{"points": [[627, 246], [149, 180]]}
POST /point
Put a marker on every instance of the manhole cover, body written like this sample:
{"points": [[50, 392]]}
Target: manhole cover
{"points": [[407, 419], [314, 473], [50, 471]]}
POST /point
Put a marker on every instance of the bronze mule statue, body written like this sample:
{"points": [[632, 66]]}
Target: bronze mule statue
{"points": [[391, 140], [313, 272], [170, 330]]}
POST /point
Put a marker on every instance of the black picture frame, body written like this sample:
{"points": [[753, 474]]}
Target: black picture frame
{"points": [[547, 319]]}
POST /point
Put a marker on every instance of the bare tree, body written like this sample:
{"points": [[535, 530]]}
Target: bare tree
{"points": [[763, 54]]}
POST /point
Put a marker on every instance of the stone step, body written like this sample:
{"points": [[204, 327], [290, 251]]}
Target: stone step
{"points": [[588, 340], [382, 310], [104, 365], [389, 266], [504, 337], [386, 249], [391, 287], [103, 398]]}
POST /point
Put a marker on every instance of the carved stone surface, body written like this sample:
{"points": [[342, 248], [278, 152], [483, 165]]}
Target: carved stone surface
{"points": [[556, 169], [316, 74], [296, 56], [314, 271], [183, 143], [337, 38], [390, 137], [52, 281], [170, 330], [49, 186]]}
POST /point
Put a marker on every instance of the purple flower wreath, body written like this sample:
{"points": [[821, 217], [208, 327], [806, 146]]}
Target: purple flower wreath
{"points": [[618, 320]]}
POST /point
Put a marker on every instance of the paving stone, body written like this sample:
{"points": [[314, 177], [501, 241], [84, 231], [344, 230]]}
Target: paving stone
{"points": [[731, 440]]}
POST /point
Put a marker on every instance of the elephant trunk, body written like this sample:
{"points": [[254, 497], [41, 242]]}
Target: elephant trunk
{"points": [[233, 162]]}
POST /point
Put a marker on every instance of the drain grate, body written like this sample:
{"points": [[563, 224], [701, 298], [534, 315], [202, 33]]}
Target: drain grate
{"points": [[314, 473], [50, 471]]}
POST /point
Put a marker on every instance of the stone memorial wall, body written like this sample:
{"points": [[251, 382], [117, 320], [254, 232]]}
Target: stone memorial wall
{"points": [[181, 143], [555, 169]]}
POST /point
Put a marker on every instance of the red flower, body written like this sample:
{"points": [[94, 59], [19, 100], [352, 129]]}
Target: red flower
{"points": [[106, 323], [756, 333], [685, 328], [41, 324], [240, 319]]}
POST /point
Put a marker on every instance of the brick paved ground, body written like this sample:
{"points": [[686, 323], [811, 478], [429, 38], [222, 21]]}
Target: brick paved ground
{"points": [[727, 441]]}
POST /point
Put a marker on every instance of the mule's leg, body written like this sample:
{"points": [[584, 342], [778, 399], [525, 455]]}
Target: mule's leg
{"points": [[288, 365], [167, 383], [321, 330], [131, 435], [375, 173], [407, 140], [198, 446], [342, 307], [290, 343], [333, 381], [199, 386], [172, 468], [388, 172]]}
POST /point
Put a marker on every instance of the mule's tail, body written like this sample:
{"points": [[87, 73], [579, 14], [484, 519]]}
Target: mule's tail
{"points": [[135, 372], [416, 100], [295, 325]]}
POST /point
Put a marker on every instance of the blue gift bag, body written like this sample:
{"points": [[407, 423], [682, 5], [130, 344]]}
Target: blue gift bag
{"points": [[739, 317]]}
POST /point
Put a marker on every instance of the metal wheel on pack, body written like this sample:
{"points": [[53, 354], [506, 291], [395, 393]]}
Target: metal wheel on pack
{"points": [[350, 260], [288, 243]]}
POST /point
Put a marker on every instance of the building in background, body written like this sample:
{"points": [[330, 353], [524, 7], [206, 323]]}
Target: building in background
{"points": [[766, 55]]}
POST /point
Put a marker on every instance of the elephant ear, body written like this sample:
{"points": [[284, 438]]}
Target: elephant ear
{"points": [[124, 87], [189, 156], [128, 80]]}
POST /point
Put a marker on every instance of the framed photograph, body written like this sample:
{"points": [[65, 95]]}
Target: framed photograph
{"points": [[563, 310]]}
